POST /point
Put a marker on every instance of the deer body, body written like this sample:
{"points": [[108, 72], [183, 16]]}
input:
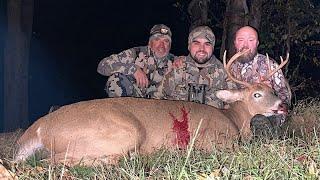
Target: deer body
{"points": [[115, 126], [119, 125], [105, 129]]}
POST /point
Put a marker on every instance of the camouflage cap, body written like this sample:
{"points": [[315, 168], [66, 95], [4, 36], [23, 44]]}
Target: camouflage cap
{"points": [[202, 31], [160, 30]]}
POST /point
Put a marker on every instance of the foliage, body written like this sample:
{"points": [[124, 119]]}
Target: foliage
{"points": [[291, 25], [305, 116]]}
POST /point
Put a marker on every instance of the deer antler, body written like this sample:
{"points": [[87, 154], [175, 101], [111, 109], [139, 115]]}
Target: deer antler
{"points": [[278, 68], [227, 66]]}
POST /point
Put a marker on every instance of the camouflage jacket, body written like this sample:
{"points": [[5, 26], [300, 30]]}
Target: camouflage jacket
{"points": [[175, 85], [129, 60], [257, 69]]}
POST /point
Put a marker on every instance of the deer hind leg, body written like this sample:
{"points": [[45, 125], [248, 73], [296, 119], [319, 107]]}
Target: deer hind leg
{"points": [[106, 143], [63, 158], [103, 148], [128, 134]]}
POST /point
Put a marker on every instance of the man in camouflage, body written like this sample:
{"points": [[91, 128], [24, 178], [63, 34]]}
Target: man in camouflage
{"points": [[253, 68], [137, 71], [200, 75]]}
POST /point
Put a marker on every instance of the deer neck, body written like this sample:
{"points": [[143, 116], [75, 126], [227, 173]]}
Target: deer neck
{"points": [[241, 117]]}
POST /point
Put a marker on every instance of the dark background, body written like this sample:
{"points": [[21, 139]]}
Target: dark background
{"points": [[71, 37]]}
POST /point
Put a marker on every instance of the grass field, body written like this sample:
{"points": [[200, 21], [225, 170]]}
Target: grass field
{"points": [[294, 156]]}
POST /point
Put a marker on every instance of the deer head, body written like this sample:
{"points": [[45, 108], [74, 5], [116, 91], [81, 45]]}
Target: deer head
{"points": [[260, 97]]}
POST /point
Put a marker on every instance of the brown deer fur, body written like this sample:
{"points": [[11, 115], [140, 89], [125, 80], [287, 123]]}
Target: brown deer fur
{"points": [[104, 129]]}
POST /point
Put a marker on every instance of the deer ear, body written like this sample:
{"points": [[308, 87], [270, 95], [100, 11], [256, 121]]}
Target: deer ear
{"points": [[229, 96]]}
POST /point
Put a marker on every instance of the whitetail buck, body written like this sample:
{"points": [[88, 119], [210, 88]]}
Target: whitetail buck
{"points": [[105, 129]]}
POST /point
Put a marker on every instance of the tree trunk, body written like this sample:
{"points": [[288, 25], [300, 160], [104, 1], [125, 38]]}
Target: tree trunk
{"points": [[16, 61], [239, 13], [198, 11], [288, 40], [3, 29], [255, 13]]}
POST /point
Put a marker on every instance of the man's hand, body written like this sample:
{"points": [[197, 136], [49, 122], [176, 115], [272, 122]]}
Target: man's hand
{"points": [[178, 62], [141, 78]]}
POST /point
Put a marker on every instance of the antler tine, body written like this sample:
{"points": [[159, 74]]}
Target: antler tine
{"points": [[227, 66], [279, 67], [268, 63], [225, 59]]}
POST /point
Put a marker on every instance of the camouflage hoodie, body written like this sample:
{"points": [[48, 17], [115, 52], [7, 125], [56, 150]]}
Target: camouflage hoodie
{"points": [[175, 85]]}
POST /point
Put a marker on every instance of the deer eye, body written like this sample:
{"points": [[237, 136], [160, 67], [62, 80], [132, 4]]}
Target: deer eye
{"points": [[257, 95]]}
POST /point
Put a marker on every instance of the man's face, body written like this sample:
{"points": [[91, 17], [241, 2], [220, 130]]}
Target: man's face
{"points": [[160, 46], [201, 50], [246, 38]]}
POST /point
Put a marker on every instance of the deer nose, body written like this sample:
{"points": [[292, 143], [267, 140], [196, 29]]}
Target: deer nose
{"points": [[283, 107]]}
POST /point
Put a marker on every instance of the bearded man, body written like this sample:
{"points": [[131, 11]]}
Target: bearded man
{"points": [[253, 67], [201, 74]]}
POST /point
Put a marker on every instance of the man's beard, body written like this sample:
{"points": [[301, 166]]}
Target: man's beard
{"points": [[160, 53], [202, 60], [246, 57]]}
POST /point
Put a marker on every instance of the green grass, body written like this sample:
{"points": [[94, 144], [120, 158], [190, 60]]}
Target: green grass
{"points": [[272, 159], [297, 156]]}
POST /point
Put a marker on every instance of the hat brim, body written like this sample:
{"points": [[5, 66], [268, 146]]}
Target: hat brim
{"points": [[157, 35]]}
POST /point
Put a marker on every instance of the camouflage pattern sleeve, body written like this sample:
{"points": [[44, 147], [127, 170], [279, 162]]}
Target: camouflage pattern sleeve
{"points": [[164, 88], [159, 93], [123, 62], [218, 77], [173, 85], [230, 83], [235, 72], [280, 85], [160, 70]]}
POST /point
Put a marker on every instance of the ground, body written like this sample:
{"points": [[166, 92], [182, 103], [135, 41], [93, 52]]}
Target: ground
{"points": [[7, 143]]}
